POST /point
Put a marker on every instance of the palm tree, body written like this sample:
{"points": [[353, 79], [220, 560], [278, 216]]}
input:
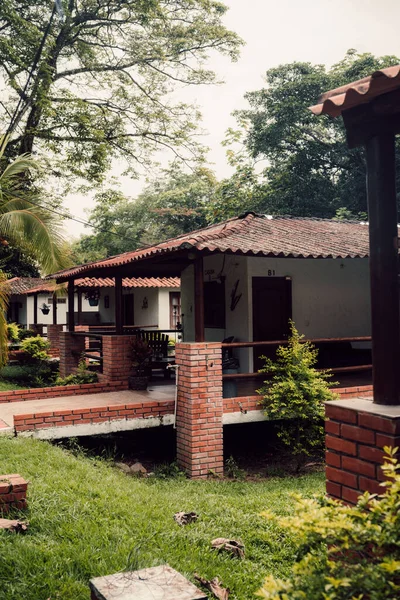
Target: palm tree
{"points": [[26, 225]]}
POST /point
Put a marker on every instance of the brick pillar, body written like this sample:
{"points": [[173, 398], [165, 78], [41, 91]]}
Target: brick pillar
{"points": [[71, 348], [356, 432], [199, 413], [84, 328], [117, 365], [53, 336]]}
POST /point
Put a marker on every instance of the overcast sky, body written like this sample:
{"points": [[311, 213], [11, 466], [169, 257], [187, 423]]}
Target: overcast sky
{"points": [[277, 32]]}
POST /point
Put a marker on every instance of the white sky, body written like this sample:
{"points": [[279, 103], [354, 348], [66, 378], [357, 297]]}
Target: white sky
{"points": [[276, 32]]}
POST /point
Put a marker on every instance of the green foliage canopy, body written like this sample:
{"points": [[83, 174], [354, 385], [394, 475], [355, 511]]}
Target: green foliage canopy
{"points": [[102, 85], [308, 170], [174, 202]]}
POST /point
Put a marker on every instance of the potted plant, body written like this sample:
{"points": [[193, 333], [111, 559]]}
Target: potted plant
{"points": [[93, 297], [140, 354], [45, 308]]}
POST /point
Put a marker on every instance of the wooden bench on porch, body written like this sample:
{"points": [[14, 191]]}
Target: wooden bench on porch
{"points": [[158, 342]]}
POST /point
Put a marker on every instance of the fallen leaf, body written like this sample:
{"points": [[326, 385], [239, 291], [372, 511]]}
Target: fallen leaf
{"points": [[235, 547], [183, 518], [214, 586], [14, 525]]}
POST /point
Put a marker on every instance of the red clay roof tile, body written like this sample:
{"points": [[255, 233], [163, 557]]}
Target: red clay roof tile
{"points": [[358, 92], [107, 282], [255, 235]]}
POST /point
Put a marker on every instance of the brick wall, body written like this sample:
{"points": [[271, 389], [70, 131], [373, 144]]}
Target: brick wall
{"points": [[117, 365], [53, 336], [71, 348], [355, 438], [360, 391], [199, 409], [244, 403], [100, 414], [249, 403], [13, 490], [62, 390]]}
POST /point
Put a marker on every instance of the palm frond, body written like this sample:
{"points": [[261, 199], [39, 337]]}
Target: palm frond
{"points": [[28, 226], [35, 231]]}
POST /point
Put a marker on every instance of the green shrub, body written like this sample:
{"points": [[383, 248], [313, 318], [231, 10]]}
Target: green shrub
{"points": [[36, 347], [26, 333], [344, 553], [13, 332], [38, 374], [296, 395], [82, 375]]}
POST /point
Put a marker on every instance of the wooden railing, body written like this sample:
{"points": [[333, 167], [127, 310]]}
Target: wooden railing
{"points": [[337, 370], [95, 350]]}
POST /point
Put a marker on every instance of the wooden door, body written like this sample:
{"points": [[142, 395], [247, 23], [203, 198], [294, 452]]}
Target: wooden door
{"points": [[128, 311], [272, 309]]}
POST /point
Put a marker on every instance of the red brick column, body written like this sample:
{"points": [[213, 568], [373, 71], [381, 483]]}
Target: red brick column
{"points": [[117, 365], [53, 336], [71, 348], [12, 492], [356, 432], [81, 328], [200, 409]]}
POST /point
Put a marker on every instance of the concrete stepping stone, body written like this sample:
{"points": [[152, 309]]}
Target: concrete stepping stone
{"points": [[155, 583]]}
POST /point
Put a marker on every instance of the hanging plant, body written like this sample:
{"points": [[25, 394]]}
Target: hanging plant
{"points": [[45, 308], [92, 296]]}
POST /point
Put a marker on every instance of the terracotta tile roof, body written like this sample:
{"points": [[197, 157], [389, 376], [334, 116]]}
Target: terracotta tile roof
{"points": [[130, 282], [107, 282], [255, 235], [19, 285], [358, 92]]}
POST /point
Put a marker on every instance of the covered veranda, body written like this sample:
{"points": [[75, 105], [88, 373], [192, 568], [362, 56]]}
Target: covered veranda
{"points": [[242, 280]]}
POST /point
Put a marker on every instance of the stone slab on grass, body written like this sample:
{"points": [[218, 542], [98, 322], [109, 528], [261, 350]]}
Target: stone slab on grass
{"points": [[155, 583]]}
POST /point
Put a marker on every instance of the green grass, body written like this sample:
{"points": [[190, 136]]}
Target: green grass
{"points": [[5, 386], [88, 519]]}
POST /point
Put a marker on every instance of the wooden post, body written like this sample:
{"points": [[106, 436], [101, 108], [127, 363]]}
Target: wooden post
{"points": [[35, 309], [382, 209], [118, 305], [79, 307], [198, 300], [71, 307], [54, 309]]}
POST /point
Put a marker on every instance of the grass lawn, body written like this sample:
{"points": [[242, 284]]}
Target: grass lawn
{"points": [[88, 519], [5, 386]]}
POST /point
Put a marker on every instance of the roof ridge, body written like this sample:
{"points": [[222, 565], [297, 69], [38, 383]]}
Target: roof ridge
{"points": [[240, 223]]}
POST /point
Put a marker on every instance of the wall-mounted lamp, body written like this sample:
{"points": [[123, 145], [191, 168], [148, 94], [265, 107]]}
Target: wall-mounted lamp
{"points": [[145, 303]]}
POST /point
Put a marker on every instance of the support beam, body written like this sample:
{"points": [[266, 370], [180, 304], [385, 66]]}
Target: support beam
{"points": [[35, 313], [79, 307], [71, 307], [198, 300], [118, 305], [382, 210], [54, 309]]}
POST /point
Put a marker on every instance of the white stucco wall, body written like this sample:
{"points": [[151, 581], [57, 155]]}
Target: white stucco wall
{"points": [[61, 309], [330, 298], [156, 313]]}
